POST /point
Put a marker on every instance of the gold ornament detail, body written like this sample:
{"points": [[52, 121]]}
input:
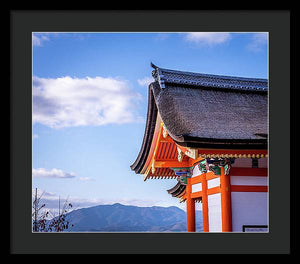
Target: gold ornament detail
{"points": [[153, 168], [180, 155], [164, 132]]}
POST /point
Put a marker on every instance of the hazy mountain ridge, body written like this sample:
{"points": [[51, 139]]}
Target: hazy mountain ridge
{"points": [[128, 218]]}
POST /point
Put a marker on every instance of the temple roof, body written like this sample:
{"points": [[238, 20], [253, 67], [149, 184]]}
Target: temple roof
{"points": [[177, 190], [167, 77], [207, 111]]}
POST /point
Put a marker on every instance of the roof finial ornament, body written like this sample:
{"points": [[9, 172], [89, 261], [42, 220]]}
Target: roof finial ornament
{"points": [[153, 66]]}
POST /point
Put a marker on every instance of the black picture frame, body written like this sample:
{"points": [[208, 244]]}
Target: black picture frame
{"points": [[24, 22]]}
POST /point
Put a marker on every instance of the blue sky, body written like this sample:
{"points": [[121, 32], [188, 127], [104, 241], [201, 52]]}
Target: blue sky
{"points": [[90, 105]]}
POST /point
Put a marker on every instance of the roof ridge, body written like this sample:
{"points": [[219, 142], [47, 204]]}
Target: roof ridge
{"points": [[163, 76], [215, 75]]}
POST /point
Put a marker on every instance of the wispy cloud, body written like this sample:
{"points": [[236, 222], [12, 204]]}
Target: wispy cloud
{"points": [[53, 173], [38, 39], [258, 42], [145, 81], [207, 38], [51, 201], [71, 102]]}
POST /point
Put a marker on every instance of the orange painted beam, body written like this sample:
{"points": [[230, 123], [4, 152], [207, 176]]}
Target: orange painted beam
{"points": [[262, 172], [248, 188], [205, 220], [225, 202], [196, 194], [213, 190], [210, 175], [170, 164], [167, 139], [196, 179]]}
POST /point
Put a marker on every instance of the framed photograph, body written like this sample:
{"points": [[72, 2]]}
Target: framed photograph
{"points": [[150, 132]]}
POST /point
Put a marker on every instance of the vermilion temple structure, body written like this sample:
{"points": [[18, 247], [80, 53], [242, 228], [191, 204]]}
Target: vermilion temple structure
{"points": [[210, 133]]}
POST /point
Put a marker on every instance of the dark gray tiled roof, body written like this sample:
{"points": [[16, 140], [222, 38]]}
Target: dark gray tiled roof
{"points": [[207, 111], [177, 189], [171, 77], [202, 115]]}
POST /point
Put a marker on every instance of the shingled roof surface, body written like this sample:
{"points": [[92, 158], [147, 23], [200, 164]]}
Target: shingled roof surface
{"points": [[208, 111], [177, 189]]}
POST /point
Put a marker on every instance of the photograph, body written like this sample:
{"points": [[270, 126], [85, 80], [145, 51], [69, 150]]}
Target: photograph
{"points": [[150, 132]]}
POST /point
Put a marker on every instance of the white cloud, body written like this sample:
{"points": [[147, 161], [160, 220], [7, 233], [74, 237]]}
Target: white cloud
{"points": [[258, 42], [51, 202], [207, 38], [34, 136], [44, 195], [145, 81], [70, 102], [54, 173], [39, 39]]}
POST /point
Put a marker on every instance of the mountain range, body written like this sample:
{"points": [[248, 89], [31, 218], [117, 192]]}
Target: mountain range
{"points": [[128, 218]]}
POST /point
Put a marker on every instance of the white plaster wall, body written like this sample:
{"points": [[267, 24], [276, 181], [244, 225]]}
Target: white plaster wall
{"points": [[263, 163], [196, 171], [242, 162], [248, 208], [247, 163], [196, 187], [248, 180], [213, 183], [214, 213]]}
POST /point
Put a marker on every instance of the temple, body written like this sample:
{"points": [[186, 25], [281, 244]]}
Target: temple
{"points": [[210, 133]]}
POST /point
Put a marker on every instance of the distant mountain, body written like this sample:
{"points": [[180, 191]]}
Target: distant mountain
{"points": [[125, 218]]}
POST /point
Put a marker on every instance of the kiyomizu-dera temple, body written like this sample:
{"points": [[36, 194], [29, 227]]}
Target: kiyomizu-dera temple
{"points": [[210, 133]]}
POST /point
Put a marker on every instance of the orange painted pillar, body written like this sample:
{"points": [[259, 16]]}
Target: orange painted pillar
{"points": [[190, 208], [204, 203], [225, 202]]}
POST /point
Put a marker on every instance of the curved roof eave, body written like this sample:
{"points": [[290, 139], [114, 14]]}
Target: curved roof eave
{"points": [[148, 135]]}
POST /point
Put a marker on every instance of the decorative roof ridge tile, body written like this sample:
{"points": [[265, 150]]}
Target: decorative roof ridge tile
{"points": [[167, 76], [214, 75]]}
